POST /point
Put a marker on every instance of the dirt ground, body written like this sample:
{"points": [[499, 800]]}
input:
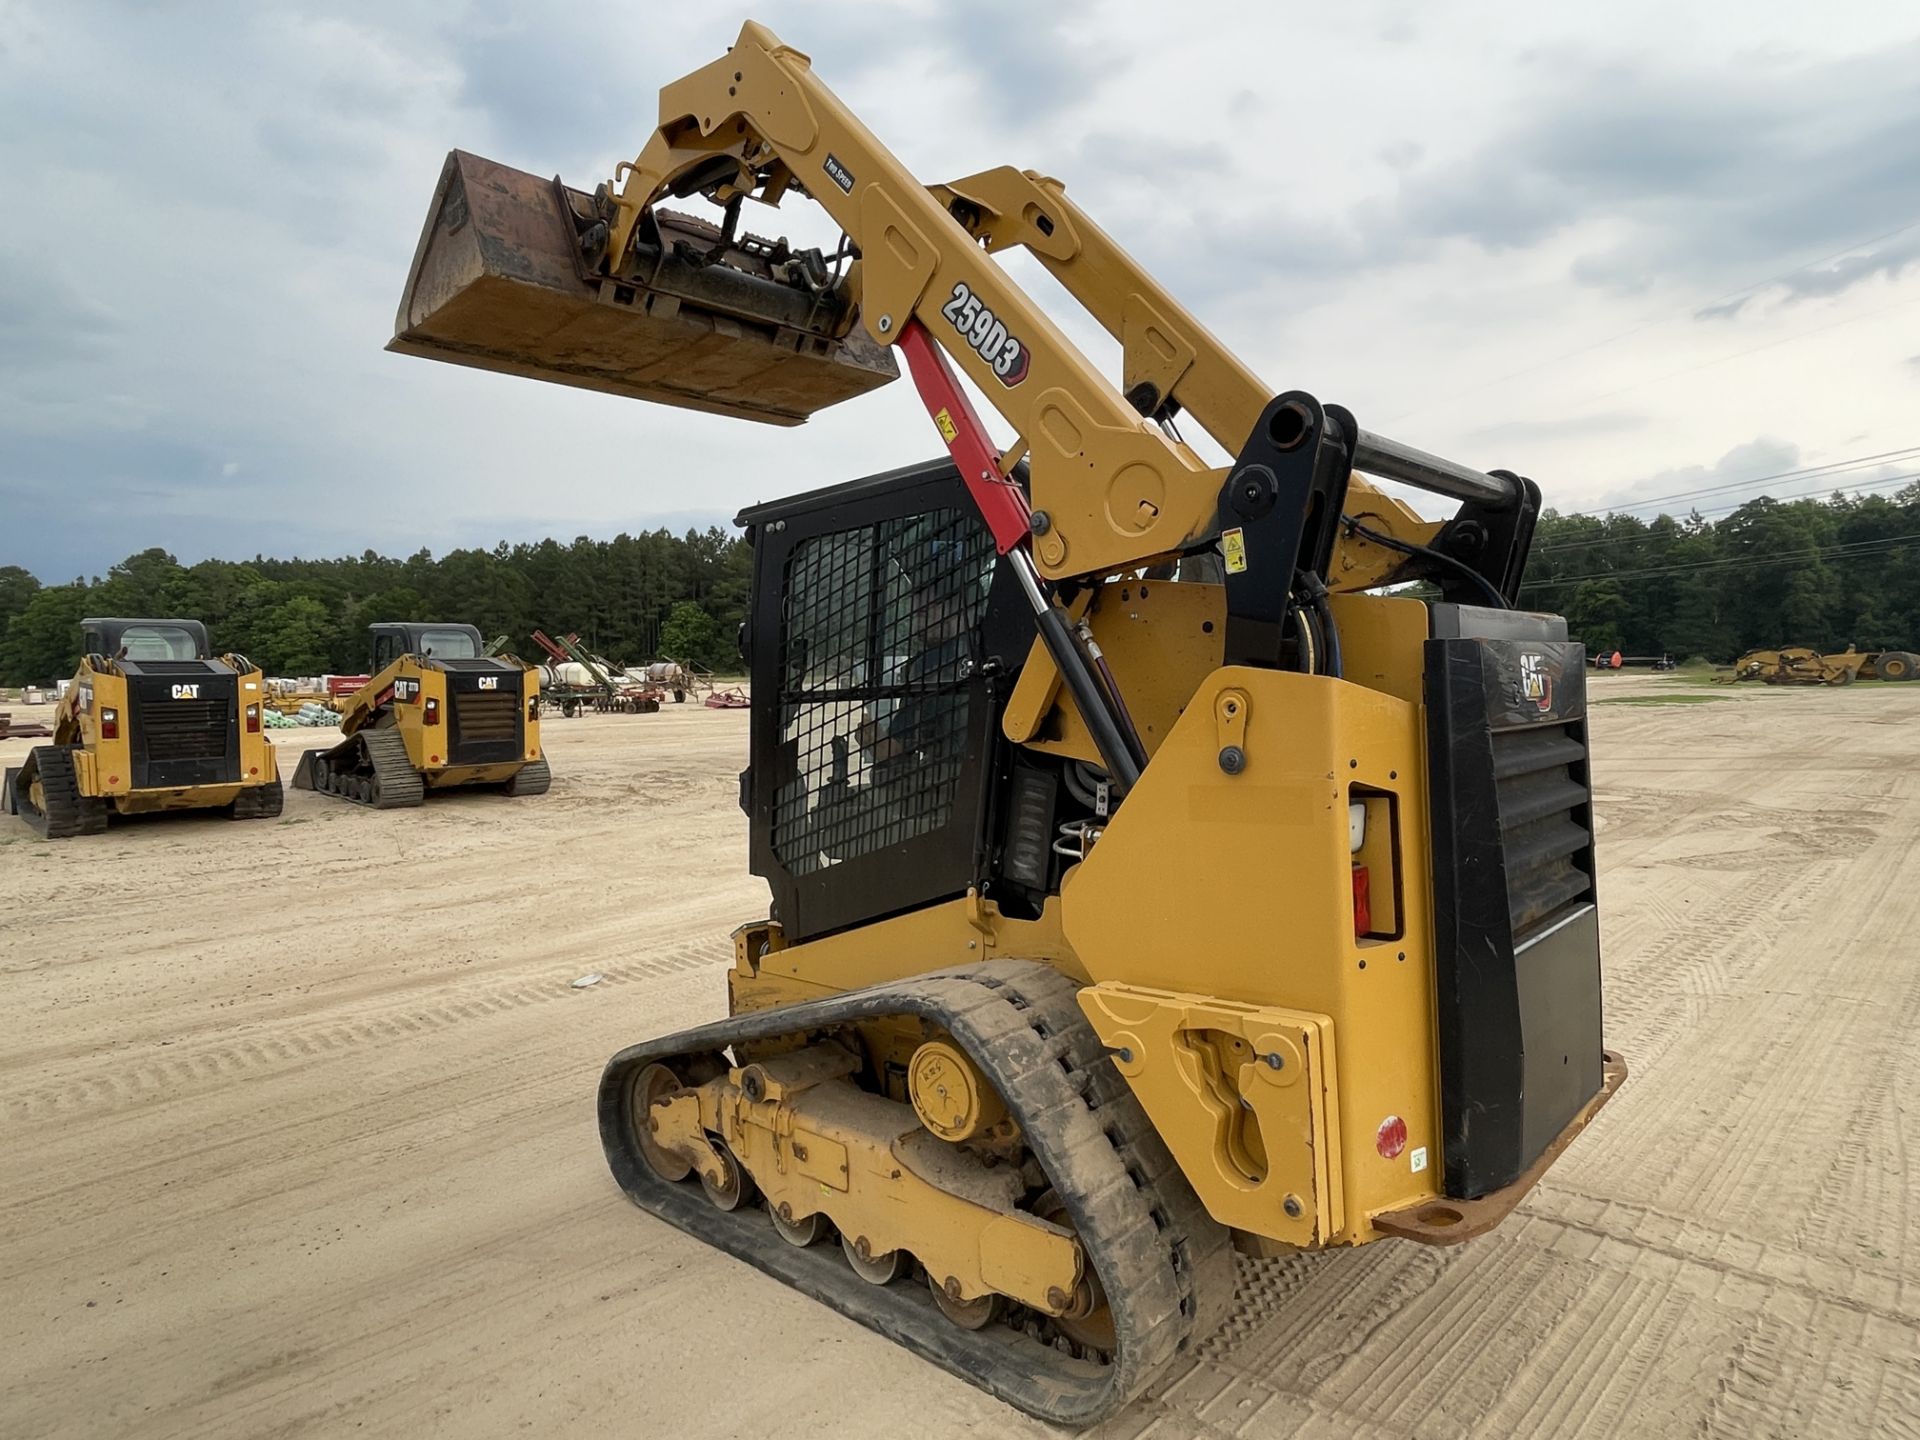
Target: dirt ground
{"points": [[297, 1132]]}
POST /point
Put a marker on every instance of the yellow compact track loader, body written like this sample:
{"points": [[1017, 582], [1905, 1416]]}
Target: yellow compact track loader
{"points": [[438, 714], [152, 721], [1145, 884]]}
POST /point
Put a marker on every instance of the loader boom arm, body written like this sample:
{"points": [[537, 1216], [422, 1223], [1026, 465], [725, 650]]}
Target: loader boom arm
{"points": [[1110, 486]]}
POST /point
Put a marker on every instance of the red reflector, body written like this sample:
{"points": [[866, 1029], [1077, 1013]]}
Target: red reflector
{"points": [[1362, 902], [1391, 1138], [433, 759], [109, 724], [433, 712]]}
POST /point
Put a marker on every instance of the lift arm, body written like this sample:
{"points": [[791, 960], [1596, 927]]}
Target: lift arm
{"points": [[1110, 487]]}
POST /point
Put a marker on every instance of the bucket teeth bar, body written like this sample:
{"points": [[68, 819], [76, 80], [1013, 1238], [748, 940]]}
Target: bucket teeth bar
{"points": [[498, 282]]}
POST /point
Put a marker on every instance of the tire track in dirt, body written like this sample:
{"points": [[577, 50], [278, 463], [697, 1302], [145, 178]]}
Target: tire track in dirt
{"points": [[362, 1191], [214, 1059], [1784, 1383]]}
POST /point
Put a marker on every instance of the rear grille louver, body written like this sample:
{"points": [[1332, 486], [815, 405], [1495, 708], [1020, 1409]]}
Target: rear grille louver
{"points": [[185, 729], [1540, 781], [488, 715]]}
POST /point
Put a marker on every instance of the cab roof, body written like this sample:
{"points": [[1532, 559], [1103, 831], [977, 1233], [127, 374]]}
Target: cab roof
{"points": [[102, 633]]}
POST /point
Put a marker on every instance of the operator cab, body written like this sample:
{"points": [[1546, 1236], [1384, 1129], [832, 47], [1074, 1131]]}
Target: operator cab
{"points": [[428, 639], [145, 639]]}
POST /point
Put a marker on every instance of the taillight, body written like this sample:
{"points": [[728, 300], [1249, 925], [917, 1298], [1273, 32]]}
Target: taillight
{"points": [[433, 712], [1362, 902], [533, 708], [109, 724], [253, 719]]}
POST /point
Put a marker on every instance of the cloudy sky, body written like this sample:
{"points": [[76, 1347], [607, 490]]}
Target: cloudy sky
{"points": [[1633, 250]]}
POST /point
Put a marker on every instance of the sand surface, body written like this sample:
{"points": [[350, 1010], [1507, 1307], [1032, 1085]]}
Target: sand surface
{"points": [[297, 1135]]}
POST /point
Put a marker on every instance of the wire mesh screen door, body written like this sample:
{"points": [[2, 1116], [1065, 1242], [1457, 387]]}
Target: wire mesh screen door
{"points": [[879, 646]]}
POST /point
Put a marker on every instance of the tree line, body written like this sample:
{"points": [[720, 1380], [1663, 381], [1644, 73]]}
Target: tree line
{"points": [[633, 598], [1825, 573]]}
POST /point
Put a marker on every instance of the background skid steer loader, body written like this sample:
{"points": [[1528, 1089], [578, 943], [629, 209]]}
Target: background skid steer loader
{"points": [[438, 714], [152, 721]]}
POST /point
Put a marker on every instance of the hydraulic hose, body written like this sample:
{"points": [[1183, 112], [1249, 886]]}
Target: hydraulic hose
{"points": [[1426, 552]]}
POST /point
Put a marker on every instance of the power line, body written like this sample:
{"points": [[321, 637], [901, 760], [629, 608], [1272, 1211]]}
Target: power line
{"points": [[1737, 561], [1718, 568], [1857, 549], [1858, 462], [1872, 487]]}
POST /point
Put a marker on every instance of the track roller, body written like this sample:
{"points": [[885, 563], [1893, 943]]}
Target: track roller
{"points": [[733, 1187], [808, 1230], [881, 1269], [974, 1314]]}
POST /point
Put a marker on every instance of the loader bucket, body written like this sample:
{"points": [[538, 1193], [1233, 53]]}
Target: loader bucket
{"points": [[497, 283], [303, 772]]}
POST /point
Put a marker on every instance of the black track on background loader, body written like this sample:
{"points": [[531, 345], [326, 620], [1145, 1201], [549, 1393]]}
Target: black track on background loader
{"points": [[67, 812]]}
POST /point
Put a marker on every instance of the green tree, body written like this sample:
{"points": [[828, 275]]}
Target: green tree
{"points": [[17, 587], [691, 636], [42, 642], [348, 645], [1598, 614], [292, 638], [142, 585]]}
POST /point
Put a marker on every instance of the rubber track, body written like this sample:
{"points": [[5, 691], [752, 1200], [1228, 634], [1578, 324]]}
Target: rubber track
{"points": [[401, 786], [260, 802], [386, 753], [533, 778], [68, 812], [1166, 1267]]}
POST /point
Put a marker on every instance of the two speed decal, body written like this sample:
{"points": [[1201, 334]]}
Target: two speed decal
{"points": [[985, 335]]}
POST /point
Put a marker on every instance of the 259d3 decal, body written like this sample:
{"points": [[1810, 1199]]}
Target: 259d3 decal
{"points": [[986, 335]]}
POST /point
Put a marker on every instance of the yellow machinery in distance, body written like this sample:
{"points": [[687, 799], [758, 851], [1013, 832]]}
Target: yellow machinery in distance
{"points": [[1142, 885], [1798, 665], [153, 721], [437, 714]]}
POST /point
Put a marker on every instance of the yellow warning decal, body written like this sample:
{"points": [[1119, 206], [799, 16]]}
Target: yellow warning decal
{"points": [[1233, 545], [947, 428]]}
